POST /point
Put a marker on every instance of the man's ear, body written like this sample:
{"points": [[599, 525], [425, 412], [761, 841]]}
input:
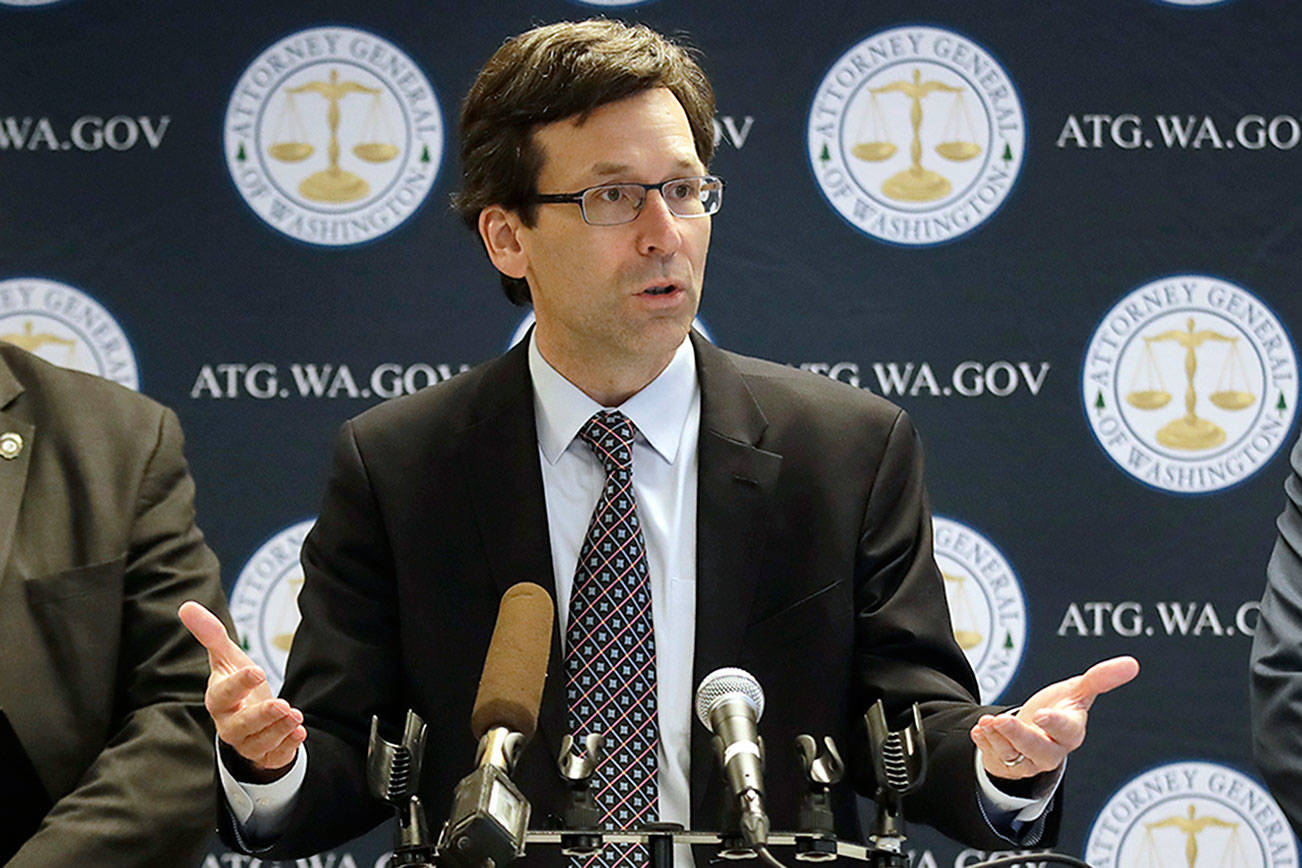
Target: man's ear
{"points": [[500, 229]]}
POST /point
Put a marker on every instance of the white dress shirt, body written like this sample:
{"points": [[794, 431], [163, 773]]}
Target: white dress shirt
{"points": [[666, 416]]}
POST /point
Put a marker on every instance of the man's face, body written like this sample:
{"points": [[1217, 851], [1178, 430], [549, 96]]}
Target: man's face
{"points": [[626, 294]]}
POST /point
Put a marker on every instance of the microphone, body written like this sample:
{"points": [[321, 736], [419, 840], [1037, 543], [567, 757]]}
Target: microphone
{"points": [[729, 703], [515, 668], [489, 813]]}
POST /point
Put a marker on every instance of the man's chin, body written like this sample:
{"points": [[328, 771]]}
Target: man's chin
{"points": [[657, 339]]}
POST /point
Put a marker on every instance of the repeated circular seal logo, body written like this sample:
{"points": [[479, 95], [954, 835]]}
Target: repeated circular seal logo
{"points": [[333, 136], [916, 135], [67, 327], [1190, 384], [986, 605], [527, 323], [1191, 814], [264, 601]]}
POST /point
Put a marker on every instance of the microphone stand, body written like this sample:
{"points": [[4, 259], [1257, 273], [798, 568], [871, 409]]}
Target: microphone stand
{"points": [[660, 842], [899, 766], [899, 760]]}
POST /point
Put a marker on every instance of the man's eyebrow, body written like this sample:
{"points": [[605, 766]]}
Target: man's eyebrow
{"points": [[606, 170], [609, 170]]}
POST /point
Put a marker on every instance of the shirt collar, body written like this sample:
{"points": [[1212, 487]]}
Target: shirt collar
{"points": [[658, 411]]}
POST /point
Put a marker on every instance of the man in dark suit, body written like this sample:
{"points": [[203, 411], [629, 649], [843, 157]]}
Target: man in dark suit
{"points": [[786, 528], [105, 747], [1276, 676]]}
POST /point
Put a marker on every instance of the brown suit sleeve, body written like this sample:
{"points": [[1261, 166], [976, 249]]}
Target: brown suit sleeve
{"points": [[147, 799]]}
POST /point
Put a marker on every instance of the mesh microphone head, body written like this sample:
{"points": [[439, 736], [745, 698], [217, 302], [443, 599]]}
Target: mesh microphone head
{"points": [[724, 684]]}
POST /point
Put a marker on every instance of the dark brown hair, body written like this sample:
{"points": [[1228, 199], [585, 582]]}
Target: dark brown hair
{"points": [[555, 72]]}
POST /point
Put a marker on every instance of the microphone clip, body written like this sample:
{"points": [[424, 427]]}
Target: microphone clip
{"points": [[899, 766], [576, 765], [393, 776], [823, 768]]}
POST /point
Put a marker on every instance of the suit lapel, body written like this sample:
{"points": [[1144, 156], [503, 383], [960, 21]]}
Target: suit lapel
{"points": [[507, 492], [13, 471], [735, 482]]}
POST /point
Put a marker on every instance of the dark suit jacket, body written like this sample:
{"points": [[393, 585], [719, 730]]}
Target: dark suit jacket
{"points": [[1276, 683], [102, 684], [814, 572]]}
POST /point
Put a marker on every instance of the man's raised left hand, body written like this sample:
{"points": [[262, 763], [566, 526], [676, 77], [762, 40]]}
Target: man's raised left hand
{"points": [[1050, 725]]}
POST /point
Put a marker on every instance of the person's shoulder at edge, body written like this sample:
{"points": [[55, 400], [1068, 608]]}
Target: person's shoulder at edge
{"points": [[76, 398]]}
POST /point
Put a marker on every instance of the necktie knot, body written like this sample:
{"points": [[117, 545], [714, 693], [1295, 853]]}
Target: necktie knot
{"points": [[610, 434]]}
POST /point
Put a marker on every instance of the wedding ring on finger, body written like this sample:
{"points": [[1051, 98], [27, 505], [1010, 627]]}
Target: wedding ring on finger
{"points": [[1015, 761]]}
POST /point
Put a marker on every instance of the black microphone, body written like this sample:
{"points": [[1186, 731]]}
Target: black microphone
{"points": [[729, 703], [489, 813]]}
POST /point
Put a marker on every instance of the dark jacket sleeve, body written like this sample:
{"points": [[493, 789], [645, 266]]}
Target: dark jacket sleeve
{"points": [[345, 665], [1276, 673], [905, 652]]}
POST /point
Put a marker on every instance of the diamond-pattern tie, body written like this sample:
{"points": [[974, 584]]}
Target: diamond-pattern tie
{"points": [[610, 659]]}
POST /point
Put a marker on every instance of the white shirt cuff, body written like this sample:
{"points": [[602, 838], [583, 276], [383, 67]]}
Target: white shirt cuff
{"points": [[999, 804], [262, 809]]}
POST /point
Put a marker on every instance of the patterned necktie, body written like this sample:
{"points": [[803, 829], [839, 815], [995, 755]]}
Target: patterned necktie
{"points": [[610, 661]]}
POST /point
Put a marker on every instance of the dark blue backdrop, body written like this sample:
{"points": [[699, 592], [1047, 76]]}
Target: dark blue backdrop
{"points": [[1092, 177]]}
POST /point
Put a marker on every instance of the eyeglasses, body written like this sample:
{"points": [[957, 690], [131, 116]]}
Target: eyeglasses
{"points": [[613, 204]]}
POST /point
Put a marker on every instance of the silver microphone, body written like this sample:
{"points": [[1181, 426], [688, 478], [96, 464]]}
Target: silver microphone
{"points": [[729, 703]]}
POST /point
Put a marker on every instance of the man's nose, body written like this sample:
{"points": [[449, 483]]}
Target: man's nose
{"points": [[658, 227]]}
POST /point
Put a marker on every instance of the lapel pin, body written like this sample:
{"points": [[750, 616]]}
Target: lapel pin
{"points": [[11, 443]]}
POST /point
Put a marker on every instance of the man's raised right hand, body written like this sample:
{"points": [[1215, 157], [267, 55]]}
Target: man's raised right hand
{"points": [[263, 730]]}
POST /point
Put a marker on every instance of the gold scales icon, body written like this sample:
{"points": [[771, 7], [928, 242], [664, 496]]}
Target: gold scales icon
{"points": [[1192, 825], [1148, 392], [916, 184], [288, 611], [33, 341], [290, 144], [966, 633]]}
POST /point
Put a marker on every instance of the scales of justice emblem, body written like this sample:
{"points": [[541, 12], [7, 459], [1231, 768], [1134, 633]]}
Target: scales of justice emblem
{"points": [[1148, 392], [272, 624], [333, 136], [36, 343], [916, 135], [874, 142], [1238, 369], [987, 609], [291, 143], [283, 622], [1190, 824], [264, 600], [1191, 814], [65, 327], [966, 626]]}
